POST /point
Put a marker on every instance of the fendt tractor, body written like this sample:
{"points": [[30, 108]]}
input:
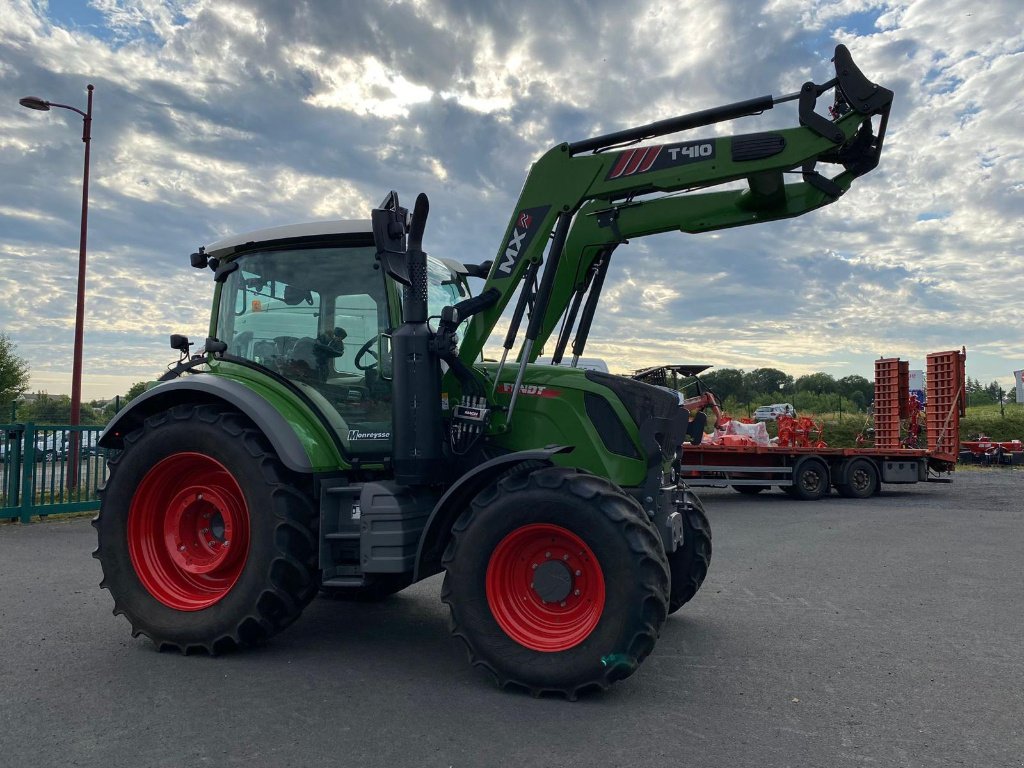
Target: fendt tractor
{"points": [[333, 434]]}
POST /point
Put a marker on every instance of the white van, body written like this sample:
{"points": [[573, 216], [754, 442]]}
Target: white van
{"points": [[773, 411]]}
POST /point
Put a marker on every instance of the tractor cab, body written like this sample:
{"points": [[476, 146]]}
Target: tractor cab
{"points": [[310, 304]]}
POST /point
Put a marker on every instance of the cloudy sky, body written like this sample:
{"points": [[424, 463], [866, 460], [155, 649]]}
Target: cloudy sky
{"points": [[215, 117]]}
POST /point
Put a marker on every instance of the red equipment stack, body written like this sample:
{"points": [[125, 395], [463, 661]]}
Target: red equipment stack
{"points": [[947, 402], [892, 389]]}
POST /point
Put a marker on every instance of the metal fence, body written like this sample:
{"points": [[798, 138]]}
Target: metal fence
{"points": [[49, 469]]}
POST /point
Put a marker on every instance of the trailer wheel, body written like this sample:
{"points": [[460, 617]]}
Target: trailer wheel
{"points": [[205, 541], [690, 562], [810, 480], [556, 581], [750, 490], [861, 479]]}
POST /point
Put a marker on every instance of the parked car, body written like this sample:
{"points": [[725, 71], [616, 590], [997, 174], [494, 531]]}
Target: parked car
{"points": [[773, 411], [51, 445]]}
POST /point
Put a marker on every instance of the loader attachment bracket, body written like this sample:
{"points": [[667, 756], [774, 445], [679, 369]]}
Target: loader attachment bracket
{"points": [[809, 94], [860, 93], [819, 182]]}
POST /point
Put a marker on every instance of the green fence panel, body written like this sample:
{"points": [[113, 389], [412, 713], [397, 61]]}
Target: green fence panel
{"points": [[50, 469]]}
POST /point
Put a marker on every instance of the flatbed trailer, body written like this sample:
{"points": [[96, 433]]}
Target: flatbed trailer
{"points": [[808, 473]]}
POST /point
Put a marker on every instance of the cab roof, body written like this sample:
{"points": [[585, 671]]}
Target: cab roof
{"points": [[298, 232]]}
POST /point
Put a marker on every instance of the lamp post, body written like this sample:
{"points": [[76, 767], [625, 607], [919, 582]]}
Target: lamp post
{"points": [[34, 102]]}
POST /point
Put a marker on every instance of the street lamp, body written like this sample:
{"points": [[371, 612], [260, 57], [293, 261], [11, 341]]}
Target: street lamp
{"points": [[34, 102]]}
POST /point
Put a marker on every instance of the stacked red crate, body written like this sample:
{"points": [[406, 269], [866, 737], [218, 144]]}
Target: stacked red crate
{"points": [[887, 402], [946, 402]]}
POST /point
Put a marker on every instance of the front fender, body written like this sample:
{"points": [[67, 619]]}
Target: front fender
{"points": [[457, 499], [205, 388]]}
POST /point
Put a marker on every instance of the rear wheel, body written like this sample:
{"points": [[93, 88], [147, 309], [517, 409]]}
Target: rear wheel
{"points": [[810, 480], [556, 581], [204, 539], [861, 480]]}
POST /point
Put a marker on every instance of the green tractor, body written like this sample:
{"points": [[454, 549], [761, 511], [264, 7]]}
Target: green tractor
{"points": [[335, 436]]}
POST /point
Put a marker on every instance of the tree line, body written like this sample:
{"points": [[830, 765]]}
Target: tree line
{"points": [[741, 390], [816, 392]]}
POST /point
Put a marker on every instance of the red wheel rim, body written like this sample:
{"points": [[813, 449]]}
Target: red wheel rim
{"points": [[188, 531], [558, 614]]}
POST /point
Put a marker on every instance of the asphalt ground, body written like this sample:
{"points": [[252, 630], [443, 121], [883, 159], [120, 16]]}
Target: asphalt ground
{"points": [[882, 632]]}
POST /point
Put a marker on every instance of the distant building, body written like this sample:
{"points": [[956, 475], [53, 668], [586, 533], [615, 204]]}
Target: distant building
{"points": [[917, 386]]}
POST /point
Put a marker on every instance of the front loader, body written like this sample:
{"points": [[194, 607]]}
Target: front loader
{"points": [[334, 435]]}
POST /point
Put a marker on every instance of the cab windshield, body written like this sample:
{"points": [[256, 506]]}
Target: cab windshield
{"points": [[316, 317]]}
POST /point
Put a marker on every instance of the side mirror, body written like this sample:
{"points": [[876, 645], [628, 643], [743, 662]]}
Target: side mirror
{"points": [[180, 343]]}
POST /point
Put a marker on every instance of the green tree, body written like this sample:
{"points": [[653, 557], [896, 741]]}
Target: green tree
{"points": [[818, 383], [48, 409], [768, 381], [134, 391], [978, 394], [725, 382], [854, 385], [13, 371]]}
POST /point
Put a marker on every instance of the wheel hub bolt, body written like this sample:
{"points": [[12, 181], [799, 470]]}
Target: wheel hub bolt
{"points": [[199, 497], [579, 573], [547, 554], [575, 592], [181, 548]]}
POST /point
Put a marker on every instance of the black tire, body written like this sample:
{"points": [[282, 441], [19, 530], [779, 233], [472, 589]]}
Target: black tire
{"points": [[690, 562], [256, 597], [750, 490], [861, 480], [620, 549], [810, 480]]}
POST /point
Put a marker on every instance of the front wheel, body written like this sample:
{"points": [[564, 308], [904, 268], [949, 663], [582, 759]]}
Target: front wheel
{"points": [[810, 480], [556, 581], [204, 539], [691, 560]]}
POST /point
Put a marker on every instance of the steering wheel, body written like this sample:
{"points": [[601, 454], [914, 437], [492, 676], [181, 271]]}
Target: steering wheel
{"points": [[366, 350]]}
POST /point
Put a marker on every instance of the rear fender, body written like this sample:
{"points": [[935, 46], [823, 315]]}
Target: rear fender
{"points": [[211, 389], [456, 500]]}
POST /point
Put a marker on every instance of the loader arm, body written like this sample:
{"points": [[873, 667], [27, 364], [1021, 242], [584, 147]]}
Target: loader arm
{"points": [[599, 226], [588, 196]]}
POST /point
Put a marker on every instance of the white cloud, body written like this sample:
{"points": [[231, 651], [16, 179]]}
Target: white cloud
{"points": [[217, 117]]}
